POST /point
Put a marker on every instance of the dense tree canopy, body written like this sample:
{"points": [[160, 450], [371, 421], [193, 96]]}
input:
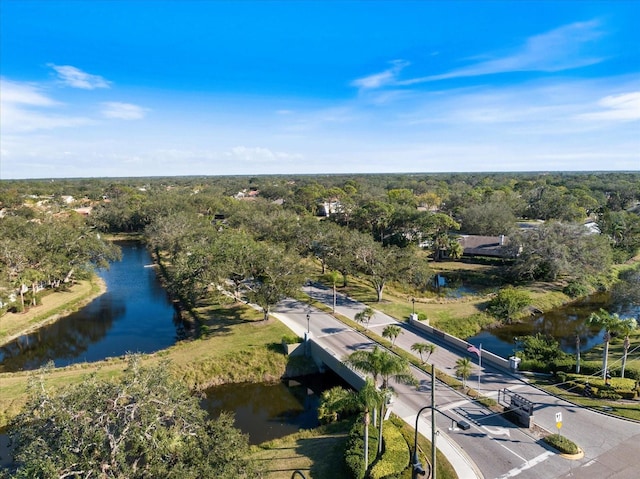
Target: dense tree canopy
{"points": [[144, 424]]}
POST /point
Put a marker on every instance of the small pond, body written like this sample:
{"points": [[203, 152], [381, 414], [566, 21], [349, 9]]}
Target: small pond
{"points": [[270, 411]]}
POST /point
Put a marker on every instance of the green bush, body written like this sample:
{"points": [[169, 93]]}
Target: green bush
{"points": [[627, 394], [508, 302], [577, 289], [607, 393], [562, 444], [354, 452], [291, 339], [395, 457]]}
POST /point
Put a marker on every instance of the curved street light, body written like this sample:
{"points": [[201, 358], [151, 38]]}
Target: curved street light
{"points": [[299, 473], [418, 470]]}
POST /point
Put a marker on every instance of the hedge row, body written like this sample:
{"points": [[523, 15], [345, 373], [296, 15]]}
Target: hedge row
{"points": [[617, 389], [354, 453], [395, 457], [588, 368]]}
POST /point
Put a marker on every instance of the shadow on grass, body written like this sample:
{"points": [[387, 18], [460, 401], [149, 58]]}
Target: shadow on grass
{"points": [[216, 319]]}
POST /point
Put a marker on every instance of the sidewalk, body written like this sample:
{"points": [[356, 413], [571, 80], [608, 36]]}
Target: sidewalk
{"points": [[464, 466]]}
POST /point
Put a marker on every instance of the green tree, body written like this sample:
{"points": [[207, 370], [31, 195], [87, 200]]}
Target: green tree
{"points": [[555, 250], [489, 218], [364, 316], [275, 275], [463, 370], [422, 348], [338, 401], [142, 424], [381, 364], [508, 302], [392, 332], [381, 264], [332, 277], [611, 323]]}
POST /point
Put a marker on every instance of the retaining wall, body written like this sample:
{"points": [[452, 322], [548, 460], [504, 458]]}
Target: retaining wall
{"points": [[487, 357]]}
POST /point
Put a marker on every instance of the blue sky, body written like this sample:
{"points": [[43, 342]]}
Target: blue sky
{"points": [[154, 88]]}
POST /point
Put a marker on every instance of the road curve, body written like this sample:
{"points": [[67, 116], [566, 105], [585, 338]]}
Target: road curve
{"points": [[493, 447]]}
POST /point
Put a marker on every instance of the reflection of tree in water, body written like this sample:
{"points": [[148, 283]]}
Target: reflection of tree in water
{"points": [[268, 411], [133, 315], [563, 324], [67, 338]]}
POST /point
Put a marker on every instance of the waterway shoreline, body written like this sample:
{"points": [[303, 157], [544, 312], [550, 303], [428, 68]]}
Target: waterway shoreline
{"points": [[58, 310]]}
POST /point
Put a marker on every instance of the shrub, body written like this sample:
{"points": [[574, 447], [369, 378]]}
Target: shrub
{"points": [[291, 339], [542, 348], [562, 444], [354, 453], [508, 302], [577, 289], [395, 458]]}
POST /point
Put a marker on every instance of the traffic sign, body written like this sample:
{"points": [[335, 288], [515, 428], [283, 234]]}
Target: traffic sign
{"points": [[558, 417]]}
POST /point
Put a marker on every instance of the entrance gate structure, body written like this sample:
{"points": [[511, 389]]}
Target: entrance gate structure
{"points": [[517, 408]]}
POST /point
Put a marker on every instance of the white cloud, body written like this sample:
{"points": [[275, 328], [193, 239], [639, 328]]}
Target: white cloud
{"points": [[561, 49], [24, 107], [622, 107], [23, 94], [378, 80], [76, 78], [557, 50], [123, 111]]}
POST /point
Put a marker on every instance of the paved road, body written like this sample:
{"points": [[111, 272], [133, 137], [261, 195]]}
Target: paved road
{"points": [[493, 447]]}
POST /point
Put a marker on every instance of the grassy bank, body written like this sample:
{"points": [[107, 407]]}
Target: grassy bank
{"points": [[236, 346], [53, 305]]}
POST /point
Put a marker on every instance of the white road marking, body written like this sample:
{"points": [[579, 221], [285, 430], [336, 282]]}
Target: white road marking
{"points": [[497, 431], [527, 465]]}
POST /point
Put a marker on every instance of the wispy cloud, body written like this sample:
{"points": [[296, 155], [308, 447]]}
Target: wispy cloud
{"points": [[76, 78], [23, 94], [123, 111], [378, 80], [564, 48], [623, 107], [561, 49], [25, 107]]}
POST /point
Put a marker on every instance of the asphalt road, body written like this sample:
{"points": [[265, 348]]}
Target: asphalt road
{"points": [[493, 447]]}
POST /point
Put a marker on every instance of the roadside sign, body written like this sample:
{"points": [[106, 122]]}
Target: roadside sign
{"points": [[558, 417]]}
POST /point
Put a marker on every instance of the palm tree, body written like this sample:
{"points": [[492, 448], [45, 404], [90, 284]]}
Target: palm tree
{"points": [[365, 316], [626, 329], [611, 323], [333, 276], [463, 370], [392, 332], [338, 401], [380, 363], [455, 249], [422, 348]]}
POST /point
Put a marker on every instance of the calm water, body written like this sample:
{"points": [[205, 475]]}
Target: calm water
{"points": [[270, 411], [134, 315], [563, 324]]}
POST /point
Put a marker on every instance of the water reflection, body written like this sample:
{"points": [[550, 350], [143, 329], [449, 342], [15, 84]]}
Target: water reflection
{"points": [[563, 324], [134, 315], [268, 411]]}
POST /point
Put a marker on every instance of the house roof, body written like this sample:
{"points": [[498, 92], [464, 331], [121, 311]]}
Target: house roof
{"points": [[476, 245]]}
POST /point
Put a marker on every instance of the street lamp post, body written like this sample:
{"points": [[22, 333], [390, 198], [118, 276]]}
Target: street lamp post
{"points": [[413, 305], [418, 470], [308, 318], [298, 473]]}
